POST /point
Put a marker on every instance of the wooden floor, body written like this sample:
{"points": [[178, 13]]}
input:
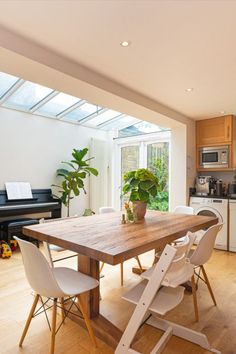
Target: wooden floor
{"points": [[218, 323]]}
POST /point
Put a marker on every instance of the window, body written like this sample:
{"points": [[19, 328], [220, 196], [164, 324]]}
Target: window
{"points": [[6, 82], [27, 96], [120, 123], [83, 111], [158, 163], [103, 117], [129, 162], [58, 104], [153, 155]]}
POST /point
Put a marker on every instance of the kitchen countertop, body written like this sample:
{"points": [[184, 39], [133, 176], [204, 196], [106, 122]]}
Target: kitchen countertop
{"points": [[212, 196]]}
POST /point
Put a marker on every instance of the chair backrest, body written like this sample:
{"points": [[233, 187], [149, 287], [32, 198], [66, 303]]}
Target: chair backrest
{"points": [[205, 246], [46, 246], [38, 271], [182, 248], [182, 209], [180, 257], [104, 210]]}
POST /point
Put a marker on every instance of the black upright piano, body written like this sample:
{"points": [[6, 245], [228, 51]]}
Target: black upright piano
{"points": [[12, 210]]}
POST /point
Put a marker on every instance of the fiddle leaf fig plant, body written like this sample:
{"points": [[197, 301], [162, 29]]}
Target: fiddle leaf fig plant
{"points": [[140, 184], [73, 175]]}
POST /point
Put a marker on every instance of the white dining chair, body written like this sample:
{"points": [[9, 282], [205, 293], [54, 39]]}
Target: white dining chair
{"points": [[153, 298], [105, 210], [48, 247], [183, 209], [54, 283], [201, 256]]}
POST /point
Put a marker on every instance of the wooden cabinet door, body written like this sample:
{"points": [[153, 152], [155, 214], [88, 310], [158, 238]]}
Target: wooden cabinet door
{"points": [[214, 131]]}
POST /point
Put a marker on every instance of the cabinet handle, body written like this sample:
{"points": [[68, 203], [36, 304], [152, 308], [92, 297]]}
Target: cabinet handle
{"points": [[228, 131]]}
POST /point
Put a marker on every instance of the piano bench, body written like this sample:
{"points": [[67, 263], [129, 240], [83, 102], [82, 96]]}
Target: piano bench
{"points": [[12, 228]]}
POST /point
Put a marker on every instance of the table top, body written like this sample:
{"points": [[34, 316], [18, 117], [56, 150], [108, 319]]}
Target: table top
{"points": [[105, 238]]}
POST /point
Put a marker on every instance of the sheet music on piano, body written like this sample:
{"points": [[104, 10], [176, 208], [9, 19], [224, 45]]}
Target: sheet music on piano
{"points": [[18, 190]]}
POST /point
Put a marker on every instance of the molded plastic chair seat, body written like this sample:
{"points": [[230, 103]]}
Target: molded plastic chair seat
{"points": [[56, 283], [72, 282], [106, 209], [165, 300]]}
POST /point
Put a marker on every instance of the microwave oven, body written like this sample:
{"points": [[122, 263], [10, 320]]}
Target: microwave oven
{"points": [[214, 157]]}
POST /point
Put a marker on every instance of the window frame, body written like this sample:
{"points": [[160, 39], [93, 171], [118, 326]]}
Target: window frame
{"points": [[142, 141]]}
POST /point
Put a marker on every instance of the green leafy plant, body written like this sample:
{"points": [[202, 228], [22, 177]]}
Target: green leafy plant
{"points": [[74, 176], [141, 185], [160, 168]]}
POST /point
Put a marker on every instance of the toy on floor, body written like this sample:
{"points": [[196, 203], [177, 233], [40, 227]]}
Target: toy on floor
{"points": [[13, 245], [5, 250]]}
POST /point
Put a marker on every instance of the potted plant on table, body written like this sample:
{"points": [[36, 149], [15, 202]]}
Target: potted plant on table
{"points": [[73, 176], [140, 185]]}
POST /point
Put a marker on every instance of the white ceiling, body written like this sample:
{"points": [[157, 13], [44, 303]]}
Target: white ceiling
{"points": [[175, 45]]}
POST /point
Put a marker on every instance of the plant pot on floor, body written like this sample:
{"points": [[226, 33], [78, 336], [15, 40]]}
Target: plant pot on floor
{"points": [[140, 209]]}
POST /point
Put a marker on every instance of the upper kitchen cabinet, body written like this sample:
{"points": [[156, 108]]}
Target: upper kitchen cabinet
{"points": [[215, 131]]}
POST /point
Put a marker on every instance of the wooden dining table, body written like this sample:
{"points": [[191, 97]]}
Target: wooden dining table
{"points": [[103, 238]]}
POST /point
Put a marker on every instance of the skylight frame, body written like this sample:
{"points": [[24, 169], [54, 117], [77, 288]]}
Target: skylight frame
{"points": [[11, 90], [56, 115], [61, 115], [27, 90], [10, 82]]}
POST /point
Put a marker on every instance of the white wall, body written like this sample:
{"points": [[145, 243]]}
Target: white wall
{"points": [[37, 64], [32, 147]]}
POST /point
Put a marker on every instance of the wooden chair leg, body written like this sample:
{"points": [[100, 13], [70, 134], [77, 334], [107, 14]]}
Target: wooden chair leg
{"points": [[53, 326], [194, 292], [62, 309], [29, 319], [100, 271], [139, 263], [122, 274], [87, 320], [208, 284]]}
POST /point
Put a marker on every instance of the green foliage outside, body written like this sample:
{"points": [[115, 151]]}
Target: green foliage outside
{"points": [[160, 168], [73, 175]]}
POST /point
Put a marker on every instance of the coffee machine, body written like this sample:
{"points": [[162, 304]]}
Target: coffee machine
{"points": [[202, 185], [205, 185]]}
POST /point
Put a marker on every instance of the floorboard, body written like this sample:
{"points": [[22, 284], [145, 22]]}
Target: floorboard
{"points": [[218, 323]]}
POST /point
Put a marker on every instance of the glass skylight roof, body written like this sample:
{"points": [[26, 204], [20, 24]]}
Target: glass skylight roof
{"points": [[82, 111], [27, 96], [6, 82], [37, 99], [140, 128], [58, 104], [121, 123], [103, 117]]}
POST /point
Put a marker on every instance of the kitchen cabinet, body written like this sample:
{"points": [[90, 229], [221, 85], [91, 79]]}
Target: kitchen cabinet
{"points": [[215, 131], [219, 131]]}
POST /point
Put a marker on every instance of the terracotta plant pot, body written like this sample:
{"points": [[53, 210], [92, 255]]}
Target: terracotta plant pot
{"points": [[140, 209]]}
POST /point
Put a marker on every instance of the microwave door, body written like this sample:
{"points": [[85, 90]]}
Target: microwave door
{"points": [[209, 158]]}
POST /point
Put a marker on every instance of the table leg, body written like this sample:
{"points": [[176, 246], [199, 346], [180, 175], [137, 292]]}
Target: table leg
{"points": [[138, 271], [90, 267], [103, 329]]}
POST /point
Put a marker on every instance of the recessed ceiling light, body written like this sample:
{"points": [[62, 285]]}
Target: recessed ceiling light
{"points": [[190, 89], [125, 43], [222, 112]]}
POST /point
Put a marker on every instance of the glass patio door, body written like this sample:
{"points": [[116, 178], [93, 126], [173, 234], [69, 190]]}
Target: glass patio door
{"points": [[143, 154]]}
